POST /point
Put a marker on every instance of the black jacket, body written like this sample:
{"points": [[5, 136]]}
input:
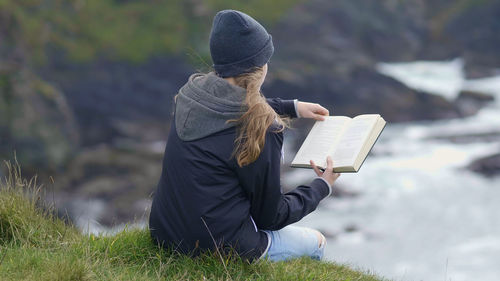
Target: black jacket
{"points": [[204, 199]]}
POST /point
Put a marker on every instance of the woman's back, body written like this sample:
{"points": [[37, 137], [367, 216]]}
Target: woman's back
{"points": [[199, 195]]}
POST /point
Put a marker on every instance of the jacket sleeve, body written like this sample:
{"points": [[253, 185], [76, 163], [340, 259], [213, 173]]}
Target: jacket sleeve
{"points": [[270, 209], [283, 107]]}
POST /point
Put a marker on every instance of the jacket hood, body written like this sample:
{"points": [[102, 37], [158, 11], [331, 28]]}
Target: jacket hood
{"points": [[205, 104]]}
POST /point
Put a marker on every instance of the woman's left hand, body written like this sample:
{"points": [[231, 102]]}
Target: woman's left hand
{"points": [[328, 174], [311, 110]]}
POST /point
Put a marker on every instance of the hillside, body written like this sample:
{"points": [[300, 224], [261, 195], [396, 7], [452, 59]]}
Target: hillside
{"points": [[36, 245], [123, 30]]}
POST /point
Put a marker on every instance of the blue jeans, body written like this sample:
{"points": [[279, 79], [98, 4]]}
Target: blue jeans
{"points": [[293, 242]]}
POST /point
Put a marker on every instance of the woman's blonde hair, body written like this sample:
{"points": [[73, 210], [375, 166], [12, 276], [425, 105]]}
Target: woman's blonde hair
{"points": [[256, 120]]}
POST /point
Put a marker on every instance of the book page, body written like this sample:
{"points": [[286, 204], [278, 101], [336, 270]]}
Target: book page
{"points": [[320, 141], [352, 140]]}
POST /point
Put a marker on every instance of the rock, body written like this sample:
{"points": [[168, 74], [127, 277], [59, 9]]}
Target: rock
{"points": [[351, 228], [333, 63], [340, 41], [475, 96], [118, 99], [488, 166], [476, 71], [122, 179], [474, 29], [364, 91], [464, 138], [36, 124], [351, 32], [469, 31], [470, 102], [328, 233], [340, 191]]}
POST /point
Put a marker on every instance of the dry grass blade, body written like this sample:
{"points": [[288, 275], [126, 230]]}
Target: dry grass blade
{"points": [[217, 249]]}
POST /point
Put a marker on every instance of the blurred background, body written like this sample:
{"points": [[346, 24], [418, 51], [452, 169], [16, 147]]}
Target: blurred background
{"points": [[86, 96]]}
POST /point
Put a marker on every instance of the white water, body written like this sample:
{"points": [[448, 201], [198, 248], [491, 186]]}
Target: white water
{"points": [[420, 214]]}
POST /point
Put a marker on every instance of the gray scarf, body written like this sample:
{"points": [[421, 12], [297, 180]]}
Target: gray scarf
{"points": [[204, 104]]}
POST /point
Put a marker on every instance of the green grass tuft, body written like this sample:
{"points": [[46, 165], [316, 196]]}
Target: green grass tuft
{"points": [[36, 245], [23, 220]]}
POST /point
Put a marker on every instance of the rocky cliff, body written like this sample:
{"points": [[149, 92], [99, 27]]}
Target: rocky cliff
{"points": [[86, 88]]}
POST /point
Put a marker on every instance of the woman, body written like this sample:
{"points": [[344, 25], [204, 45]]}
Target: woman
{"points": [[220, 185]]}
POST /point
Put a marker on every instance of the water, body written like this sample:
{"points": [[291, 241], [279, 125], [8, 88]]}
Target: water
{"points": [[420, 214]]}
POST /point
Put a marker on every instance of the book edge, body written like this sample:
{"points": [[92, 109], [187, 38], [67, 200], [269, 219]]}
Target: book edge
{"points": [[359, 167]]}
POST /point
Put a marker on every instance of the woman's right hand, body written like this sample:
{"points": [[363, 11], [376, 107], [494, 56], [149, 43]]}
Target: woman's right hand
{"points": [[328, 174]]}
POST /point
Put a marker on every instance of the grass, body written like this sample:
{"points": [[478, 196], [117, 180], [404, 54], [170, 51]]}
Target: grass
{"points": [[124, 30], [36, 245]]}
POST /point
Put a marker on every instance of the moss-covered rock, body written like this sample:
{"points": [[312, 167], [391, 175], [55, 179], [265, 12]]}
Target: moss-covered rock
{"points": [[35, 120]]}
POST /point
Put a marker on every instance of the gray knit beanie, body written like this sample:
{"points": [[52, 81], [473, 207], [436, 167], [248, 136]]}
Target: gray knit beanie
{"points": [[238, 43]]}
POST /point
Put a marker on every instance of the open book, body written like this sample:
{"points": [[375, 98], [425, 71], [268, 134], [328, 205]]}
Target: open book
{"points": [[347, 140]]}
